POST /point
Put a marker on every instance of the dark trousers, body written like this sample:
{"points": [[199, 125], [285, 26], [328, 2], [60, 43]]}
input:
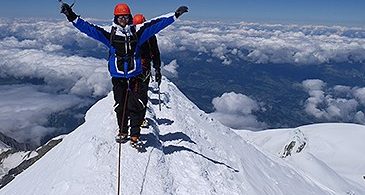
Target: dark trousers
{"points": [[131, 99]]}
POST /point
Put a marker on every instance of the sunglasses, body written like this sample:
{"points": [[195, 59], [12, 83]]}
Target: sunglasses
{"points": [[123, 17]]}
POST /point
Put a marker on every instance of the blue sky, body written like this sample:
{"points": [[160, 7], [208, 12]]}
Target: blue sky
{"points": [[344, 12]]}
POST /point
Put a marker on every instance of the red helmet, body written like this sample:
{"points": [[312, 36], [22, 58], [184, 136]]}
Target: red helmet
{"points": [[121, 9], [138, 19]]}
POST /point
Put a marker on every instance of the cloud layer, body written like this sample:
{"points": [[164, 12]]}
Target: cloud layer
{"points": [[25, 108], [236, 110], [72, 67], [65, 65], [338, 103], [37, 50], [264, 43]]}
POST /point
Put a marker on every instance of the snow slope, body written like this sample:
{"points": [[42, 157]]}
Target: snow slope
{"points": [[334, 147], [187, 152], [13, 160]]}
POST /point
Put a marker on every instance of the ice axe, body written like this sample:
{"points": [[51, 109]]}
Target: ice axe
{"points": [[61, 2]]}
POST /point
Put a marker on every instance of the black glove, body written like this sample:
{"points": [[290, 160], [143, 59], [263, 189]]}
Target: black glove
{"points": [[180, 11], [67, 10], [158, 77]]}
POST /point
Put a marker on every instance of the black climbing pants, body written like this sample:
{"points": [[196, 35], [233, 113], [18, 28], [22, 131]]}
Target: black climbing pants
{"points": [[134, 107]]}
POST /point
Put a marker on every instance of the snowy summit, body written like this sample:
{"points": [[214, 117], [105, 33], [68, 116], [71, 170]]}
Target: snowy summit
{"points": [[187, 152]]}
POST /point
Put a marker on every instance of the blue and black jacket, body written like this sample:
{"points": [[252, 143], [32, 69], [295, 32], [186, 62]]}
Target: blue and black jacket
{"points": [[125, 43]]}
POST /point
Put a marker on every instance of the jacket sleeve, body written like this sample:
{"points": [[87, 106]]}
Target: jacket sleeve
{"points": [[155, 53], [151, 27], [93, 31]]}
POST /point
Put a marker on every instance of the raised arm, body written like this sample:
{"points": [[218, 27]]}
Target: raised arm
{"points": [[90, 30], [151, 27], [93, 31]]}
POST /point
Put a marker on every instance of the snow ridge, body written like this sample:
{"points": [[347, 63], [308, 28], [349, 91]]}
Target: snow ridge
{"points": [[187, 152]]}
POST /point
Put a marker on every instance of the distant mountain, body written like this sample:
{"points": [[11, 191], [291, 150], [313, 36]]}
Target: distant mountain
{"points": [[3, 146], [15, 160], [187, 152], [8, 142]]}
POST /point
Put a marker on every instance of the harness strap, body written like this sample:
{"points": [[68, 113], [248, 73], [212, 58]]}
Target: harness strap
{"points": [[112, 34]]}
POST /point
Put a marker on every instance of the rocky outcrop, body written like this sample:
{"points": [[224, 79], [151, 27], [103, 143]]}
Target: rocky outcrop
{"points": [[27, 163], [297, 143], [12, 143]]}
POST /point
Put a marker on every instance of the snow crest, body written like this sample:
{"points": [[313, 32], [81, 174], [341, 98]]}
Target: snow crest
{"points": [[187, 152]]}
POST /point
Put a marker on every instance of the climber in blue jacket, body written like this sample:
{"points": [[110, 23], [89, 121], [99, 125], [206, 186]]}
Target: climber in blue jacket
{"points": [[124, 41]]}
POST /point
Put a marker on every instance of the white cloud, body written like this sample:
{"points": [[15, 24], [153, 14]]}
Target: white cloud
{"points": [[25, 108], [56, 55], [313, 84], [359, 117], [38, 50], [170, 70], [341, 90], [262, 43], [340, 103], [237, 111], [359, 93], [62, 72]]}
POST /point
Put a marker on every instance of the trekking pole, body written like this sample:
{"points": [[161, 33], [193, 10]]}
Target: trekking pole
{"points": [[159, 98]]}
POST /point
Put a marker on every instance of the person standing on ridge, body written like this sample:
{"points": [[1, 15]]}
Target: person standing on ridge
{"points": [[124, 41], [149, 53]]}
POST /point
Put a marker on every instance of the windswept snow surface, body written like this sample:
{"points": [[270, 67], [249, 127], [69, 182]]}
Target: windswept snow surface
{"points": [[333, 153], [187, 152]]}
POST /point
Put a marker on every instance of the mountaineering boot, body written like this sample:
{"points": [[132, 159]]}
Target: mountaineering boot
{"points": [[136, 142], [121, 138]]}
